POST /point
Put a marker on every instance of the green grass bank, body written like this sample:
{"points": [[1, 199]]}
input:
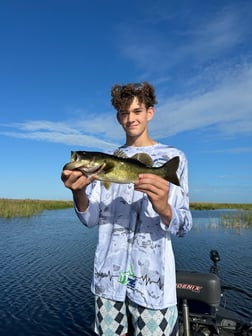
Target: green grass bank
{"points": [[27, 207]]}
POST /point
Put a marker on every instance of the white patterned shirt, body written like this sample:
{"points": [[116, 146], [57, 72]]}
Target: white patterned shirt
{"points": [[134, 255]]}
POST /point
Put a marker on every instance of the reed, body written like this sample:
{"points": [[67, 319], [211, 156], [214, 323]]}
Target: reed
{"points": [[215, 206], [27, 207], [238, 220]]}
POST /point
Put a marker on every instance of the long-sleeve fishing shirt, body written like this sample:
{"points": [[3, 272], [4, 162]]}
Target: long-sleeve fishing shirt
{"points": [[134, 255]]}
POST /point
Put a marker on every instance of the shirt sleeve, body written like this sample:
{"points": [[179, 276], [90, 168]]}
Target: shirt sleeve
{"points": [[90, 217], [181, 221]]}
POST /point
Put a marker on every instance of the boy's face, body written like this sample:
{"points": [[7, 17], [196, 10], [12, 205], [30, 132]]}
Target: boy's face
{"points": [[135, 120]]}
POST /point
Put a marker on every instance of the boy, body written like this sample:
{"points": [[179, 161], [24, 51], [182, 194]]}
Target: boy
{"points": [[134, 269]]}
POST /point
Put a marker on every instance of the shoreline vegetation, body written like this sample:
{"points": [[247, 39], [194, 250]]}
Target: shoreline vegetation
{"points": [[10, 208]]}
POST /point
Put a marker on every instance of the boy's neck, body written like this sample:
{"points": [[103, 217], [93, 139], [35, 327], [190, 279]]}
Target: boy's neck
{"points": [[140, 142]]}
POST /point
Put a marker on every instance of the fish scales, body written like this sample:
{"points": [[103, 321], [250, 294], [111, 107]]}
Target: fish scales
{"points": [[113, 169]]}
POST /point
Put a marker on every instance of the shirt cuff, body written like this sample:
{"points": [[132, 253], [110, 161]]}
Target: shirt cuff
{"points": [[174, 223], [89, 216]]}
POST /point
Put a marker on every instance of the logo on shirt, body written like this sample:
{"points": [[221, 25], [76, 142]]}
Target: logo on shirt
{"points": [[127, 278]]}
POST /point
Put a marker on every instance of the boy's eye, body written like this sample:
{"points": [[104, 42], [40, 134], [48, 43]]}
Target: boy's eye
{"points": [[125, 114]]}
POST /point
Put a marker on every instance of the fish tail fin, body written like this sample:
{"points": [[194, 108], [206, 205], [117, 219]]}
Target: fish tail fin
{"points": [[170, 168]]}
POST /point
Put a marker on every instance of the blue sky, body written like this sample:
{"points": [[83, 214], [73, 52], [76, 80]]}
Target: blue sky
{"points": [[59, 59]]}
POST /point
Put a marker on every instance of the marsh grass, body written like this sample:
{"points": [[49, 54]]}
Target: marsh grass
{"points": [[27, 207], [238, 220], [215, 206], [235, 220]]}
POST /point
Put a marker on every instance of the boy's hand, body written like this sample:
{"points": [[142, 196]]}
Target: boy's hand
{"points": [[157, 189], [75, 180]]}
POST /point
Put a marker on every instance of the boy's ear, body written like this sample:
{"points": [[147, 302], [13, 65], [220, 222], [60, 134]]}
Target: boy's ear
{"points": [[150, 112], [118, 117]]}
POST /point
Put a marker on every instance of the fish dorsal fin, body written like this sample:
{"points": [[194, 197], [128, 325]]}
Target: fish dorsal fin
{"points": [[120, 153], [143, 158]]}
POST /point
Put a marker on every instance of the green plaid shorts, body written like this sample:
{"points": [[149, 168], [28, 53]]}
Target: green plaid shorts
{"points": [[114, 318]]}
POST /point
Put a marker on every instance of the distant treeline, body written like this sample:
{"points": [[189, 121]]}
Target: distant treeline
{"points": [[28, 207]]}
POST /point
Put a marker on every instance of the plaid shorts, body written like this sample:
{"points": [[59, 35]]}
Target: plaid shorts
{"points": [[117, 318]]}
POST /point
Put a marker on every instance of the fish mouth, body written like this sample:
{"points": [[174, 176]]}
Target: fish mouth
{"points": [[72, 165], [94, 170], [90, 171]]}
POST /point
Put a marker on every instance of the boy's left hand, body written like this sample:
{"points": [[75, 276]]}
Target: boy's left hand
{"points": [[157, 189]]}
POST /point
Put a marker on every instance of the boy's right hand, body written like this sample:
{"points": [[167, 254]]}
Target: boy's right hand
{"points": [[75, 180]]}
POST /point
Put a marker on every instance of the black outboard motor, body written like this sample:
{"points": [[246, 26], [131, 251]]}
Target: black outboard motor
{"points": [[199, 304], [199, 296]]}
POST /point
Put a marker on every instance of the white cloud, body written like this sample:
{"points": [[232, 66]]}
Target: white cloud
{"points": [[217, 95], [169, 43], [69, 139], [227, 107]]}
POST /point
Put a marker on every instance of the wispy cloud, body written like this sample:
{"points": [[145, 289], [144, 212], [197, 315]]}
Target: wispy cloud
{"points": [[188, 44], [227, 108], [57, 133], [215, 93]]}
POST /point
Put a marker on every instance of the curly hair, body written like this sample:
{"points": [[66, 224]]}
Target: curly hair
{"points": [[123, 95]]}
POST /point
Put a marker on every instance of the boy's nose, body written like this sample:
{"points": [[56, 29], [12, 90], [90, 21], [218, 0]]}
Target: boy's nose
{"points": [[130, 117]]}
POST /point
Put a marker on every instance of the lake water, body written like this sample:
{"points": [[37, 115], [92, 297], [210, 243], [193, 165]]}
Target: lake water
{"points": [[46, 266]]}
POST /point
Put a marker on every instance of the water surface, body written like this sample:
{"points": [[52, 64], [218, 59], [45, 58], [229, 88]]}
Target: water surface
{"points": [[46, 265]]}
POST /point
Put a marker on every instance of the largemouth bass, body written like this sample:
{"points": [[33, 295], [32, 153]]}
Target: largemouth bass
{"points": [[111, 168]]}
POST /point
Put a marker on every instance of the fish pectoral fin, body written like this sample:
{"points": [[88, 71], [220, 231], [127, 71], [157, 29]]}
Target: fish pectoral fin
{"points": [[107, 184], [108, 167], [143, 158]]}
